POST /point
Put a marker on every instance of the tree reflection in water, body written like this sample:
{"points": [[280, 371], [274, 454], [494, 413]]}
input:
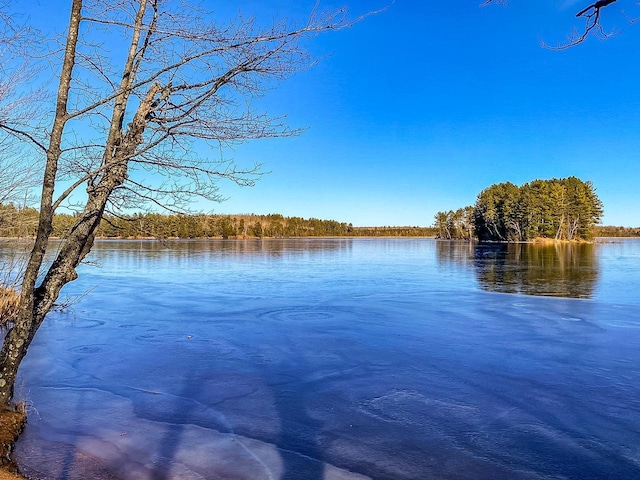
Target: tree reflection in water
{"points": [[558, 270]]}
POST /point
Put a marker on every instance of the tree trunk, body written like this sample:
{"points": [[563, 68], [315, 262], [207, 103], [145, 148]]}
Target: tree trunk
{"points": [[31, 312], [559, 231], [36, 302]]}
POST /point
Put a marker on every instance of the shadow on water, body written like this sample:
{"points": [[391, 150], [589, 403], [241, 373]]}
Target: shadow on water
{"points": [[301, 455], [172, 438], [62, 460], [69, 457], [299, 452], [557, 270]]}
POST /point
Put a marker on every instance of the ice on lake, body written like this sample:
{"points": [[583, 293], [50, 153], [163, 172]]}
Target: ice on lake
{"points": [[340, 359]]}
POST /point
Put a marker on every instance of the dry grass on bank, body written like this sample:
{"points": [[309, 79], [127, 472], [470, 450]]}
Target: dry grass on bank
{"points": [[11, 424], [9, 299], [554, 241], [4, 475]]}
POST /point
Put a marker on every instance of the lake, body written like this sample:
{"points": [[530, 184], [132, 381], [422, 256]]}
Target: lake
{"points": [[336, 359]]}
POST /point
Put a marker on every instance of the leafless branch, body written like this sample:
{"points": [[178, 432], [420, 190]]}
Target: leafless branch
{"points": [[631, 19], [593, 26], [592, 14], [23, 134], [17, 110]]}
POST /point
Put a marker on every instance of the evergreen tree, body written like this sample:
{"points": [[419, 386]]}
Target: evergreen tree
{"points": [[562, 209]]}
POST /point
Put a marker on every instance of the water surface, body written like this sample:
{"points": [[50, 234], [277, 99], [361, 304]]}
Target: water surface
{"points": [[340, 359]]}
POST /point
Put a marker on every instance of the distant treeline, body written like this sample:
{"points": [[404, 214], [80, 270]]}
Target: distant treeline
{"points": [[610, 231], [459, 224], [18, 222], [240, 226], [15, 222], [560, 209]]}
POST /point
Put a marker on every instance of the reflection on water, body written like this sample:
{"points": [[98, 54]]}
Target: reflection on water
{"points": [[143, 254], [557, 270]]}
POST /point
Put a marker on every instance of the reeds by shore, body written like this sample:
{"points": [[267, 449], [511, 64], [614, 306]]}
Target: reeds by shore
{"points": [[9, 299]]}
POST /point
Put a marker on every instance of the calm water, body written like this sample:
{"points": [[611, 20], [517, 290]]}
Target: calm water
{"points": [[340, 359]]}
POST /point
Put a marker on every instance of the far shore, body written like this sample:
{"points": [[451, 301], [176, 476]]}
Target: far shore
{"points": [[540, 240]]}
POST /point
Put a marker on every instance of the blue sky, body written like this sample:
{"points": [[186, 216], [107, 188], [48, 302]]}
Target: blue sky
{"points": [[419, 108]]}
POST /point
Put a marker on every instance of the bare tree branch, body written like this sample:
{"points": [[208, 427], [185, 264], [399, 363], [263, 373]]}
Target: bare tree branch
{"points": [[592, 15], [593, 26], [18, 107]]}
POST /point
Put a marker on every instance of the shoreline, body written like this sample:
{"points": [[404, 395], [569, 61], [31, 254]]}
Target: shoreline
{"points": [[539, 241]]}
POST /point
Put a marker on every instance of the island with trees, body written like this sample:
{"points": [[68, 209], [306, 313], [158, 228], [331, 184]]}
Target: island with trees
{"points": [[566, 209]]}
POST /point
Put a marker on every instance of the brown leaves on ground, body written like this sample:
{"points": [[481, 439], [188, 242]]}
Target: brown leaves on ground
{"points": [[11, 423]]}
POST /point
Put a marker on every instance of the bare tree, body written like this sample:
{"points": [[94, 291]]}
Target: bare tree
{"points": [[18, 176], [18, 106], [592, 16], [133, 121]]}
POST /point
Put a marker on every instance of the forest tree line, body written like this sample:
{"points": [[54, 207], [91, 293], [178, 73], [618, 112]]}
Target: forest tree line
{"points": [[559, 209], [22, 222], [616, 231], [459, 224]]}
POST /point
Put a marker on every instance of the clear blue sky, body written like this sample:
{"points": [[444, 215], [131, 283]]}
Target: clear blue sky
{"points": [[419, 108]]}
